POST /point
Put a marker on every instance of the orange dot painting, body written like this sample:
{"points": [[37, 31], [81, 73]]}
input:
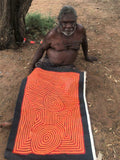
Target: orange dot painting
{"points": [[50, 121]]}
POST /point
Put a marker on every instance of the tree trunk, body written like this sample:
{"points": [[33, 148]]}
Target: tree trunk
{"points": [[12, 22]]}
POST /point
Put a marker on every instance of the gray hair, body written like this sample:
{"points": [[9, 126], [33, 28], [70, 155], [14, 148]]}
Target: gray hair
{"points": [[66, 10]]}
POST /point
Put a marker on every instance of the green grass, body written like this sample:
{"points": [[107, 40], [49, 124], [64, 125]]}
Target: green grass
{"points": [[38, 25]]}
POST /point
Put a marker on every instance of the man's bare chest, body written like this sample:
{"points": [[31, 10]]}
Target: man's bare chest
{"points": [[65, 44]]}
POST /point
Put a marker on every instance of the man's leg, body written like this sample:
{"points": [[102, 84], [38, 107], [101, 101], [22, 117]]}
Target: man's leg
{"points": [[6, 123]]}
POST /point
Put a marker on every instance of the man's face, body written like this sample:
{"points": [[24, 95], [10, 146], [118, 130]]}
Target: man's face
{"points": [[68, 24]]}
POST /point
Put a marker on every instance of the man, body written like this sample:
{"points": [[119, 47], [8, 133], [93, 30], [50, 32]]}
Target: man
{"points": [[62, 43]]}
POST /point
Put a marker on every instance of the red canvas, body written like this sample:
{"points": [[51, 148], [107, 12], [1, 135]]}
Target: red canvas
{"points": [[50, 121]]}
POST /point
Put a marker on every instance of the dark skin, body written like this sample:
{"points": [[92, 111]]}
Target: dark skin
{"points": [[62, 45], [63, 49], [6, 123]]}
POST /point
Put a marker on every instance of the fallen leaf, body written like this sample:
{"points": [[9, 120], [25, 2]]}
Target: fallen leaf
{"points": [[100, 156]]}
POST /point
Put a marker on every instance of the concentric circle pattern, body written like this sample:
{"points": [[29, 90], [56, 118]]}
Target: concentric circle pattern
{"points": [[53, 102], [50, 121], [45, 139]]}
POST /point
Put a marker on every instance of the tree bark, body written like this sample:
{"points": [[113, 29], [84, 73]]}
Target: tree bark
{"points": [[12, 22]]}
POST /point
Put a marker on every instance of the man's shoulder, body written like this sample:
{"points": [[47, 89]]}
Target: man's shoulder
{"points": [[80, 28], [52, 33]]}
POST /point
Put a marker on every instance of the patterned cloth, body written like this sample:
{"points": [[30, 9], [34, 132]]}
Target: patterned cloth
{"points": [[51, 120]]}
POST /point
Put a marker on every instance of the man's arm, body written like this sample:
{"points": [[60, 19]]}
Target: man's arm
{"points": [[39, 53], [37, 56], [85, 49]]}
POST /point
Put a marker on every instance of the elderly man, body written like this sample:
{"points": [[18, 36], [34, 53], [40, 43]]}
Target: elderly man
{"points": [[62, 44]]}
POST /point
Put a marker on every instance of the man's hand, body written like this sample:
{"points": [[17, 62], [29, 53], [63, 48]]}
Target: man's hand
{"points": [[91, 59]]}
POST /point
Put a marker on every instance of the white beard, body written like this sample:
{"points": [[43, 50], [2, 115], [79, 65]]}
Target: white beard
{"points": [[68, 33]]}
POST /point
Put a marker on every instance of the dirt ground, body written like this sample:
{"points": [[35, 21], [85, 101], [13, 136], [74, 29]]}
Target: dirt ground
{"points": [[102, 20]]}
